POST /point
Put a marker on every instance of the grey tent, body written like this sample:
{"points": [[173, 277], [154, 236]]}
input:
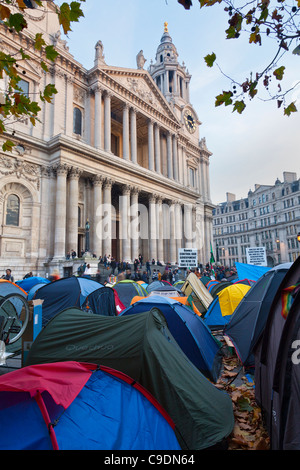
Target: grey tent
{"points": [[267, 348], [285, 406], [142, 347], [247, 323]]}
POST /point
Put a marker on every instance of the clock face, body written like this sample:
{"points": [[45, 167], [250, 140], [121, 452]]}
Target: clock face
{"points": [[189, 121]]}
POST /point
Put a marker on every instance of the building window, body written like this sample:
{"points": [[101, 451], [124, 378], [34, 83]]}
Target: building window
{"points": [[192, 177], [12, 210], [77, 121], [24, 85]]}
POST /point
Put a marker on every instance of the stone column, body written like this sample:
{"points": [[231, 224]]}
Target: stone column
{"points": [[69, 106], [98, 120], [173, 255], [134, 225], [160, 232], [125, 224], [45, 191], [175, 158], [98, 213], [152, 227], [184, 167], [133, 137], [202, 177], [126, 132], [107, 216], [188, 225], [107, 122], [150, 146], [178, 227], [72, 242], [169, 156], [157, 149], [60, 211]]}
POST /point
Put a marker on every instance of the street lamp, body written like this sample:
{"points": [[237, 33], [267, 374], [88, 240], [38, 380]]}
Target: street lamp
{"points": [[298, 237]]}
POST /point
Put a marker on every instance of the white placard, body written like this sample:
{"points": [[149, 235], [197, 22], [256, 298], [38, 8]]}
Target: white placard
{"points": [[187, 258], [256, 255]]}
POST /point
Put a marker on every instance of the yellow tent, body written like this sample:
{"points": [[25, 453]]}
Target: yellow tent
{"points": [[230, 297]]}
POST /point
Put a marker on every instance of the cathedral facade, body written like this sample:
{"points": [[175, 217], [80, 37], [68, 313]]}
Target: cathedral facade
{"points": [[115, 165]]}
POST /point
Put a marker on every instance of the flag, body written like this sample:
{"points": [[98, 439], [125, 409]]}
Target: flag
{"points": [[212, 258]]}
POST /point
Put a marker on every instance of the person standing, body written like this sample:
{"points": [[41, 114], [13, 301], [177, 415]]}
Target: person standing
{"points": [[8, 276]]}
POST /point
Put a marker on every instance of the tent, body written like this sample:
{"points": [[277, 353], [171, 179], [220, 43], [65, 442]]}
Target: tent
{"points": [[167, 291], [104, 301], [142, 347], [128, 289], [33, 290], [250, 271], [183, 300], [73, 406], [8, 287], [188, 330], [248, 321], [63, 293], [154, 285], [211, 284], [285, 405], [220, 310], [205, 279], [219, 287], [29, 282], [195, 288], [247, 282], [266, 352]]}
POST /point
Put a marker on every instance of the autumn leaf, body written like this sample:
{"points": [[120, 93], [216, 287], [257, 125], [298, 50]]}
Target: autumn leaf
{"points": [[224, 98], [4, 12], [279, 72], [209, 59], [239, 106], [8, 146], [290, 109]]}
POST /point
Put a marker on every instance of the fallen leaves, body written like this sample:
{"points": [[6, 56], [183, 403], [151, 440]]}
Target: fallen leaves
{"points": [[249, 432]]}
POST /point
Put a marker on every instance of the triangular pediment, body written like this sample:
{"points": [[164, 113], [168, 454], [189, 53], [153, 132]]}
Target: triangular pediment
{"points": [[141, 84]]}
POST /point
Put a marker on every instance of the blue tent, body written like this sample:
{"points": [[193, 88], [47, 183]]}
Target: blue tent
{"points": [[29, 282], [74, 406], [188, 330], [250, 271], [64, 293], [220, 310]]}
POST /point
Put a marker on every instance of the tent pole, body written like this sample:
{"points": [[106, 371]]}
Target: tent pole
{"points": [[43, 409]]}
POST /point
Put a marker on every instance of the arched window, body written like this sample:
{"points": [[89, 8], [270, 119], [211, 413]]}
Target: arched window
{"points": [[77, 121], [12, 210]]}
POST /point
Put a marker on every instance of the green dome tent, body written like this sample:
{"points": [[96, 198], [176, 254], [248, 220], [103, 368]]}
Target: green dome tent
{"points": [[128, 289], [142, 347]]}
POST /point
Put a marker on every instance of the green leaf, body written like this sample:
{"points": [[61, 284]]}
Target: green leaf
{"points": [[7, 146], [224, 98], [244, 404], [209, 59], [39, 41], [279, 72], [239, 106], [290, 109], [51, 53], [17, 21]]}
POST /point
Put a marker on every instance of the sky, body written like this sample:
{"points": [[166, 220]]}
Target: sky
{"points": [[255, 147]]}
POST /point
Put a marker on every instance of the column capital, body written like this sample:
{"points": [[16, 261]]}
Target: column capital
{"points": [[97, 180], [97, 88], [126, 189], [108, 182], [75, 173], [152, 198], [61, 169], [45, 171]]}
